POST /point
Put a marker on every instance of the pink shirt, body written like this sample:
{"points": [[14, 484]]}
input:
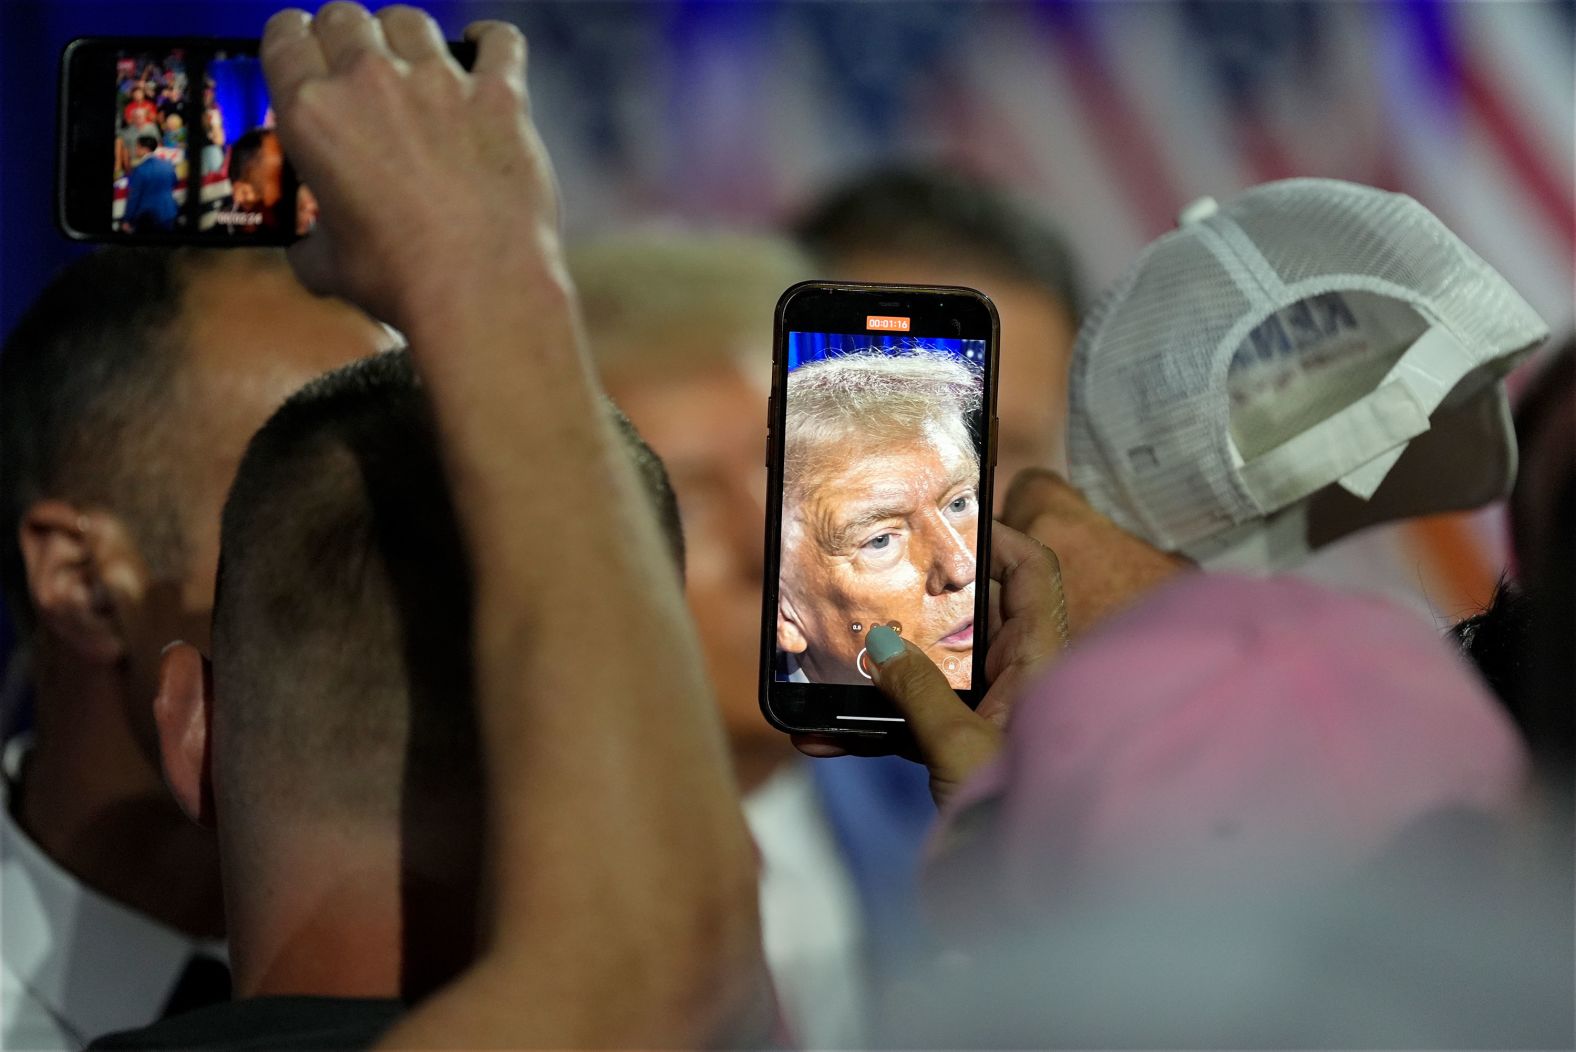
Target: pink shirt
{"points": [[1227, 729]]}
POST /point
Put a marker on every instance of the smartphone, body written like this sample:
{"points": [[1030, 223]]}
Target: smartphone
{"points": [[880, 458], [170, 140]]}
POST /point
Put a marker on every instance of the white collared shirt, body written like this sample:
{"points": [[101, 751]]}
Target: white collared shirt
{"points": [[73, 964], [811, 926]]}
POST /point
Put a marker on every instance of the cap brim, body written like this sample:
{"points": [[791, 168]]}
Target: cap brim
{"points": [[1466, 459]]}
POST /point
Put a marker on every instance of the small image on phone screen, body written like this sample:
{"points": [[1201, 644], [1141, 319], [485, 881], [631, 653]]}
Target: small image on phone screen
{"points": [[880, 509], [243, 167], [152, 170]]}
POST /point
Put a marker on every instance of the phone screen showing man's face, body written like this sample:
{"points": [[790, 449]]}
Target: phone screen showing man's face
{"points": [[880, 512]]}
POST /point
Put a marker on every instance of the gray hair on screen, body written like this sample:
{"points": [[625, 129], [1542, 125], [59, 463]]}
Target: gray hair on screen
{"points": [[873, 397]]}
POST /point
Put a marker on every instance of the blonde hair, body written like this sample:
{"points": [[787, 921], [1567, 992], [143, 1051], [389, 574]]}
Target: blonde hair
{"points": [[661, 299], [878, 397]]}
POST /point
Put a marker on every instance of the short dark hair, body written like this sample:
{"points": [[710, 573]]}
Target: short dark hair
{"points": [[936, 212], [243, 154], [342, 614], [1500, 643], [148, 142], [86, 397]]}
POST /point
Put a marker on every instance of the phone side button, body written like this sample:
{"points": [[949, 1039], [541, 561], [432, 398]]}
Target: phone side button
{"points": [[770, 419], [993, 422]]}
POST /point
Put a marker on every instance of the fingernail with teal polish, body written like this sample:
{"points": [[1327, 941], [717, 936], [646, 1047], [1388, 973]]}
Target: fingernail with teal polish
{"points": [[883, 644]]}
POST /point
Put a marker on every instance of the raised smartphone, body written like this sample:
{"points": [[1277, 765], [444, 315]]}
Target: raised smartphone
{"points": [[880, 457], [170, 140]]}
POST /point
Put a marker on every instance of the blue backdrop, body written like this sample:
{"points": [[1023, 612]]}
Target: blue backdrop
{"points": [[813, 346], [241, 94]]}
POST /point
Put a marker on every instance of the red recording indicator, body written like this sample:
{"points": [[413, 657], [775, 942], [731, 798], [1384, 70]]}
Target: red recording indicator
{"points": [[885, 324]]}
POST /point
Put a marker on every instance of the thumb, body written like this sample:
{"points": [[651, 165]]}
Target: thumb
{"points": [[951, 737]]}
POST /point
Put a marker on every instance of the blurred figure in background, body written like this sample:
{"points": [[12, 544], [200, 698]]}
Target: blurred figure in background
{"points": [[150, 198], [1523, 643], [1244, 813], [1248, 813], [127, 394], [929, 226], [680, 327]]}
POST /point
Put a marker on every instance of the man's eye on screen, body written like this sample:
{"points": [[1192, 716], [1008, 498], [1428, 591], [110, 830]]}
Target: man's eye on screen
{"points": [[881, 550], [962, 504]]}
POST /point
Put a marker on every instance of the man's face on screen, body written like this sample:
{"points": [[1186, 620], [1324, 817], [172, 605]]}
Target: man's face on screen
{"points": [[877, 537], [261, 185]]}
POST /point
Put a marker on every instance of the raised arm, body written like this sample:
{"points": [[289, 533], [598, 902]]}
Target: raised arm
{"points": [[621, 877]]}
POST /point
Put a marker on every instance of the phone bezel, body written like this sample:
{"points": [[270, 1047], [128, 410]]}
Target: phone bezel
{"points": [[832, 306]]}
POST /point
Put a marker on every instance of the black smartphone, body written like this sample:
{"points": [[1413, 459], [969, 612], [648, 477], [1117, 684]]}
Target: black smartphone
{"points": [[170, 140], [880, 456]]}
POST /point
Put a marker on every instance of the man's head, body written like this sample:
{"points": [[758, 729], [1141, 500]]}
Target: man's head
{"points": [[680, 327], [341, 687], [880, 510], [256, 169], [930, 226], [127, 393], [146, 144], [137, 94]]}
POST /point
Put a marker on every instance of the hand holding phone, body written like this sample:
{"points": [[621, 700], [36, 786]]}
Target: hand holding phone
{"points": [[881, 455], [1027, 635], [173, 140], [443, 139]]}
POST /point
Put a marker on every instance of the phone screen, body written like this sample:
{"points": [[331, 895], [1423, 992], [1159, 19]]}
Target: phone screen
{"points": [[171, 140], [882, 490], [177, 106], [152, 175]]}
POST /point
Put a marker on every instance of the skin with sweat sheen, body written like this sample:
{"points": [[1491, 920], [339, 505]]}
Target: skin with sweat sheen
{"points": [[878, 538]]}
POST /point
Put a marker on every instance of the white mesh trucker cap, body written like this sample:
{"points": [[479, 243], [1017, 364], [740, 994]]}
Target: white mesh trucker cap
{"points": [[1310, 359]]}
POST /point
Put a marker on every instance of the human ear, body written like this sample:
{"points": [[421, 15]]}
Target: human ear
{"points": [[183, 714], [80, 569], [790, 634]]}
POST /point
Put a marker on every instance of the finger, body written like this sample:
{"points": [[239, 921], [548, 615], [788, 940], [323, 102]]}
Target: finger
{"points": [[346, 32], [291, 56], [819, 746], [413, 35], [1031, 586], [831, 746], [936, 716], [1035, 491], [500, 51]]}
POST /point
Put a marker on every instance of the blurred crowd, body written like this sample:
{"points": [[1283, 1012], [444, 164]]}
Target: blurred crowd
{"points": [[150, 142], [390, 641]]}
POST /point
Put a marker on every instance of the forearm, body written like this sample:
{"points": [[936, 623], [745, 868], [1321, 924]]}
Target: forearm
{"points": [[617, 859], [577, 608]]}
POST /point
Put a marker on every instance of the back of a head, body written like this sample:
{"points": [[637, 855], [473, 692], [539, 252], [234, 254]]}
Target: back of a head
{"points": [[245, 152], [342, 642], [662, 301], [938, 213], [1543, 521], [88, 401]]}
